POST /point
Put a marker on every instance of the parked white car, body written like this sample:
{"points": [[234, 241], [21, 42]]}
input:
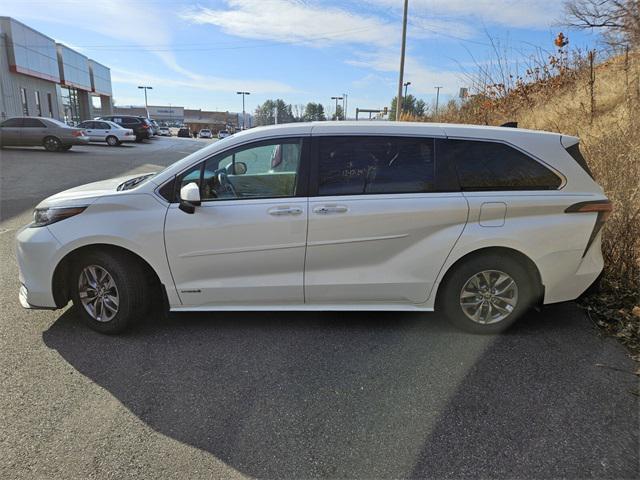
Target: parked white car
{"points": [[478, 222], [205, 133], [106, 131], [164, 131], [223, 134]]}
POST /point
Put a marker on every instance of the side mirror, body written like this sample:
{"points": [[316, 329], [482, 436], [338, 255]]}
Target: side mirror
{"points": [[189, 197]]}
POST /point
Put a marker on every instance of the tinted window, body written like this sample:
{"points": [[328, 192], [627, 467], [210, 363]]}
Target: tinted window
{"points": [[32, 123], [87, 125], [576, 154], [13, 122], [129, 121], [496, 166], [102, 126], [364, 165]]}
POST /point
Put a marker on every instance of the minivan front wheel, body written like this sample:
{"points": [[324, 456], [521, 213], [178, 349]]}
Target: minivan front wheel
{"points": [[107, 289], [486, 294]]}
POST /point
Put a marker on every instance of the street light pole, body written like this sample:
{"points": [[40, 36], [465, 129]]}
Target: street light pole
{"points": [[336, 99], [404, 44], [437, 99], [244, 117], [146, 106]]}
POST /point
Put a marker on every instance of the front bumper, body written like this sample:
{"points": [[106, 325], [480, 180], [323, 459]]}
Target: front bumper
{"points": [[36, 252]]}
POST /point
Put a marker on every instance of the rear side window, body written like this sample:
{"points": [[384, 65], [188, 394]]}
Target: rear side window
{"points": [[375, 165], [33, 123], [496, 166], [576, 154]]}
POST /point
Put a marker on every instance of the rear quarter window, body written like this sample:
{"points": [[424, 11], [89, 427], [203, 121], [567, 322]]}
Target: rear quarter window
{"points": [[485, 165]]}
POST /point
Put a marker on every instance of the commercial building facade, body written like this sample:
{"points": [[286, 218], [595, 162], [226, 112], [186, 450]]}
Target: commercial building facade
{"points": [[39, 77]]}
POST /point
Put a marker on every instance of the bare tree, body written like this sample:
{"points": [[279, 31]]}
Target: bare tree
{"points": [[618, 20]]}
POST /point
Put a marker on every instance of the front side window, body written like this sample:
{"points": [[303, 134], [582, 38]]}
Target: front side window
{"points": [[370, 165], [483, 165], [264, 170]]}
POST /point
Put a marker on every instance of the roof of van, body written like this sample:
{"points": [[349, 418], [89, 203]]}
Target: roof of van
{"points": [[451, 129]]}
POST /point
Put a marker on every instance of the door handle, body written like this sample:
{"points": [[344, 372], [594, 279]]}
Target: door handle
{"points": [[327, 209], [279, 211]]}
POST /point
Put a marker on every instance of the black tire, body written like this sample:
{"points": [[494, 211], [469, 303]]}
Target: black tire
{"points": [[65, 148], [52, 144], [113, 141], [129, 279], [449, 298]]}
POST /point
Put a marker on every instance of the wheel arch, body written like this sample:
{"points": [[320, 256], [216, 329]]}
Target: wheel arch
{"points": [[60, 280], [520, 257]]}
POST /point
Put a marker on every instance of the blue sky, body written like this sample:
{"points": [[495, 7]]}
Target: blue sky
{"points": [[197, 54]]}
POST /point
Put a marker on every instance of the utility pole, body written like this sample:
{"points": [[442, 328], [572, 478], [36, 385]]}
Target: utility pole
{"points": [[243, 114], [336, 99], [345, 105], [437, 99], [146, 106], [404, 44]]}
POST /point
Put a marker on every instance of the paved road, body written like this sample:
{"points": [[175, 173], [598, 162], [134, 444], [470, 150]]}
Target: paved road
{"points": [[295, 395]]}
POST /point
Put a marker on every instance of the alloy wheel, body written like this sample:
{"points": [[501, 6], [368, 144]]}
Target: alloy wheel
{"points": [[98, 293], [489, 297]]}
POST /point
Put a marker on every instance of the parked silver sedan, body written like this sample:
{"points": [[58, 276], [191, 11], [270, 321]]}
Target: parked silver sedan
{"points": [[106, 131], [53, 135]]}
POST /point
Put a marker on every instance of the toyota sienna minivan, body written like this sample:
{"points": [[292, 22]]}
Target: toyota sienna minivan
{"points": [[480, 223]]}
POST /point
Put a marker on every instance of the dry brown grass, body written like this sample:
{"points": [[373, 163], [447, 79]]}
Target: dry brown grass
{"points": [[610, 141]]}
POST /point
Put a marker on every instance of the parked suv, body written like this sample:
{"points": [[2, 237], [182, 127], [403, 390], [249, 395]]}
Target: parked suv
{"points": [[140, 125], [53, 135], [480, 223]]}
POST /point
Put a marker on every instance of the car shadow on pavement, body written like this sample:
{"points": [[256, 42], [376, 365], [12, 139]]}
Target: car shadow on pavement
{"points": [[367, 394]]}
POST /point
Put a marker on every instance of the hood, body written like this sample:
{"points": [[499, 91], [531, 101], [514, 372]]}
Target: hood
{"points": [[86, 194]]}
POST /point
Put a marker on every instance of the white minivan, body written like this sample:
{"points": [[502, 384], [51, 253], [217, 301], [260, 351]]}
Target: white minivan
{"points": [[479, 222]]}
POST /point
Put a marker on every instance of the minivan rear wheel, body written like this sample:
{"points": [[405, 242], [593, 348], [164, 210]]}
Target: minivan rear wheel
{"points": [[486, 294], [107, 289]]}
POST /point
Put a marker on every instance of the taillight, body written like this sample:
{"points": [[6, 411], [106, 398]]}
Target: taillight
{"points": [[145, 126], [602, 207], [78, 133]]}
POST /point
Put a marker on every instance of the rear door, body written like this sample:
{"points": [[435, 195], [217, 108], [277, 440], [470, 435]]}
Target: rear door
{"points": [[384, 217], [10, 132], [33, 132], [102, 130]]}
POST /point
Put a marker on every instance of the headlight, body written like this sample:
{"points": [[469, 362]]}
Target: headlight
{"points": [[47, 216]]}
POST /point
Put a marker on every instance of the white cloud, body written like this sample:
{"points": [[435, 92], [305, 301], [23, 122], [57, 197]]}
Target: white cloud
{"points": [[200, 82], [423, 79], [510, 13], [290, 21], [117, 19]]}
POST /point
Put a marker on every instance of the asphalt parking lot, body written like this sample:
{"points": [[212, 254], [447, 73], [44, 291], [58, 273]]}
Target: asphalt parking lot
{"points": [[294, 395]]}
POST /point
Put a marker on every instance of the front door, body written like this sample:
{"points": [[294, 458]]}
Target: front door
{"points": [[382, 222], [245, 244]]}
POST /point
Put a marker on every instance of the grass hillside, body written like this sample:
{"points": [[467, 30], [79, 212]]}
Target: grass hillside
{"points": [[601, 105]]}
